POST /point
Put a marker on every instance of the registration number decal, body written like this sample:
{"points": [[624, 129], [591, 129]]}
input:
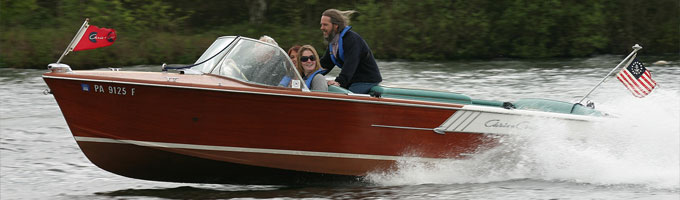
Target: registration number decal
{"points": [[109, 89]]}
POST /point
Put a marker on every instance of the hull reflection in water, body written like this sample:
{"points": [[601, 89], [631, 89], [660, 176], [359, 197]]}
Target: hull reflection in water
{"points": [[233, 120]]}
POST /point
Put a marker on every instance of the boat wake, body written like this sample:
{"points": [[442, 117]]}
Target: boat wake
{"points": [[640, 147]]}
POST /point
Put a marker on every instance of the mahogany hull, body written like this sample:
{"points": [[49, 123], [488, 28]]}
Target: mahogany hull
{"points": [[160, 165], [188, 132]]}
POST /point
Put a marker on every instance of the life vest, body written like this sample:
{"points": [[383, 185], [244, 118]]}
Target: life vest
{"points": [[341, 53], [309, 78], [284, 82]]}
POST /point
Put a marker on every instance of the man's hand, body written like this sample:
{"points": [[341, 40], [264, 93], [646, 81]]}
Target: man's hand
{"points": [[332, 82]]}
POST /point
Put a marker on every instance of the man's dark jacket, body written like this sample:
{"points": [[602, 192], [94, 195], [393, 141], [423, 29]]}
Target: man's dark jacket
{"points": [[359, 64]]}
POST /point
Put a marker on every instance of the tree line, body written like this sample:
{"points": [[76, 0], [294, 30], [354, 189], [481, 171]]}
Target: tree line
{"points": [[34, 33]]}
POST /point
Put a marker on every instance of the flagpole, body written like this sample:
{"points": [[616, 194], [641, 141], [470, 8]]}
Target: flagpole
{"points": [[75, 39], [635, 49]]}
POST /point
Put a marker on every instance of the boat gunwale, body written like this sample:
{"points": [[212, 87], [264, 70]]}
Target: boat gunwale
{"points": [[267, 90]]}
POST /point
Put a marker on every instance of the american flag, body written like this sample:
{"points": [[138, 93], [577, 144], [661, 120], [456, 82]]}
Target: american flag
{"points": [[637, 79]]}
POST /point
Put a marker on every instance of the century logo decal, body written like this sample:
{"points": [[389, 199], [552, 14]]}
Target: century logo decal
{"points": [[111, 36], [93, 37], [497, 123]]}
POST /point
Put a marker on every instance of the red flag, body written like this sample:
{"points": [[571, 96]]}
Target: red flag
{"points": [[96, 37], [637, 79]]}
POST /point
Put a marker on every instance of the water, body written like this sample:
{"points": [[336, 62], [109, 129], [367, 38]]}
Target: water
{"points": [[634, 157]]}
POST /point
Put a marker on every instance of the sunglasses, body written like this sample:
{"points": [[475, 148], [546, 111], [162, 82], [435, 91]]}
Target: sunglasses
{"points": [[305, 58]]}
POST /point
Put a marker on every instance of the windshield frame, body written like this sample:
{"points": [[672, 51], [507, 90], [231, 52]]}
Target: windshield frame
{"points": [[221, 53]]}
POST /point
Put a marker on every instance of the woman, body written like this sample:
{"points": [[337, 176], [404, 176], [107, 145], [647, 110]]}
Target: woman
{"points": [[310, 69], [293, 53]]}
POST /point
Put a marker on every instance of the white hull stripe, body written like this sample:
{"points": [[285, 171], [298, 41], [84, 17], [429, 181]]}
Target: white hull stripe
{"points": [[460, 120], [249, 150]]}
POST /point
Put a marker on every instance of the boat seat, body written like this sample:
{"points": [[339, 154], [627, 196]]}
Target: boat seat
{"points": [[335, 89], [488, 103], [554, 106], [422, 95]]}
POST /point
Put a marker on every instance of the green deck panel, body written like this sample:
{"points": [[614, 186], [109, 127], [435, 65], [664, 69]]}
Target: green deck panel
{"points": [[422, 95], [554, 106], [487, 102], [583, 110], [546, 105], [335, 89]]}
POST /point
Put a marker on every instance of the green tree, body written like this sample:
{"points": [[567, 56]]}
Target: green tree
{"points": [[524, 28], [35, 32], [580, 31]]}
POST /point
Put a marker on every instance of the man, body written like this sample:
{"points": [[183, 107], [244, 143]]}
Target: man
{"points": [[347, 50]]}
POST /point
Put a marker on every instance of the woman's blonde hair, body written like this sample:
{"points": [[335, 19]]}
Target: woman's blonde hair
{"points": [[298, 65]]}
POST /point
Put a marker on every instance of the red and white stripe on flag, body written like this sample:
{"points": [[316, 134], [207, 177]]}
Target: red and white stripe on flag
{"points": [[637, 79]]}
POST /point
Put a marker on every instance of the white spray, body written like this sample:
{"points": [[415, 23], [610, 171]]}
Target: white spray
{"points": [[640, 147]]}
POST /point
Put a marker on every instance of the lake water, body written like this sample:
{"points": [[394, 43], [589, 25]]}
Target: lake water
{"points": [[636, 156]]}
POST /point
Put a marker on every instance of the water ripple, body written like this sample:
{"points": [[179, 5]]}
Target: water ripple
{"points": [[39, 158]]}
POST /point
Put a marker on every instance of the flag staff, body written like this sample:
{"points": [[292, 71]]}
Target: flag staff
{"points": [[635, 49], [75, 39]]}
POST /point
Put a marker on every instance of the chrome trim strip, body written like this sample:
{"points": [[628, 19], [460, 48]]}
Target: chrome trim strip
{"points": [[251, 150], [401, 127], [426, 129]]}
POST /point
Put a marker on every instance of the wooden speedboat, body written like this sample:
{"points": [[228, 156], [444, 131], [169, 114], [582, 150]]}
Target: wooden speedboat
{"points": [[242, 115]]}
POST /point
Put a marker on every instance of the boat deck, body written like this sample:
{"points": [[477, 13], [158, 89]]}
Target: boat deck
{"points": [[377, 91], [164, 77]]}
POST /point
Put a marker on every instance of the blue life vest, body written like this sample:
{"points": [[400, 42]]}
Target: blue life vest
{"points": [[341, 53], [308, 79], [285, 81]]}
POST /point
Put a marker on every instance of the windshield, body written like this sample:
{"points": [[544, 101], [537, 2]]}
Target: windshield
{"points": [[213, 50], [251, 61]]}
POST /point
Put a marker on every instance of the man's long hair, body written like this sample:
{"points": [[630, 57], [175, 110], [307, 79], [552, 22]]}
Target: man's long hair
{"points": [[341, 18]]}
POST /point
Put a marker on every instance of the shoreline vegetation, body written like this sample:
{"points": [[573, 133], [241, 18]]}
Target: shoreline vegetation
{"points": [[34, 33]]}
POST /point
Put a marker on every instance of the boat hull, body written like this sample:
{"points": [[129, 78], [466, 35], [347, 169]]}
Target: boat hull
{"points": [[162, 165], [196, 133]]}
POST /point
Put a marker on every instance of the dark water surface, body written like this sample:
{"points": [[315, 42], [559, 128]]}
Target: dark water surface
{"points": [[636, 157]]}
